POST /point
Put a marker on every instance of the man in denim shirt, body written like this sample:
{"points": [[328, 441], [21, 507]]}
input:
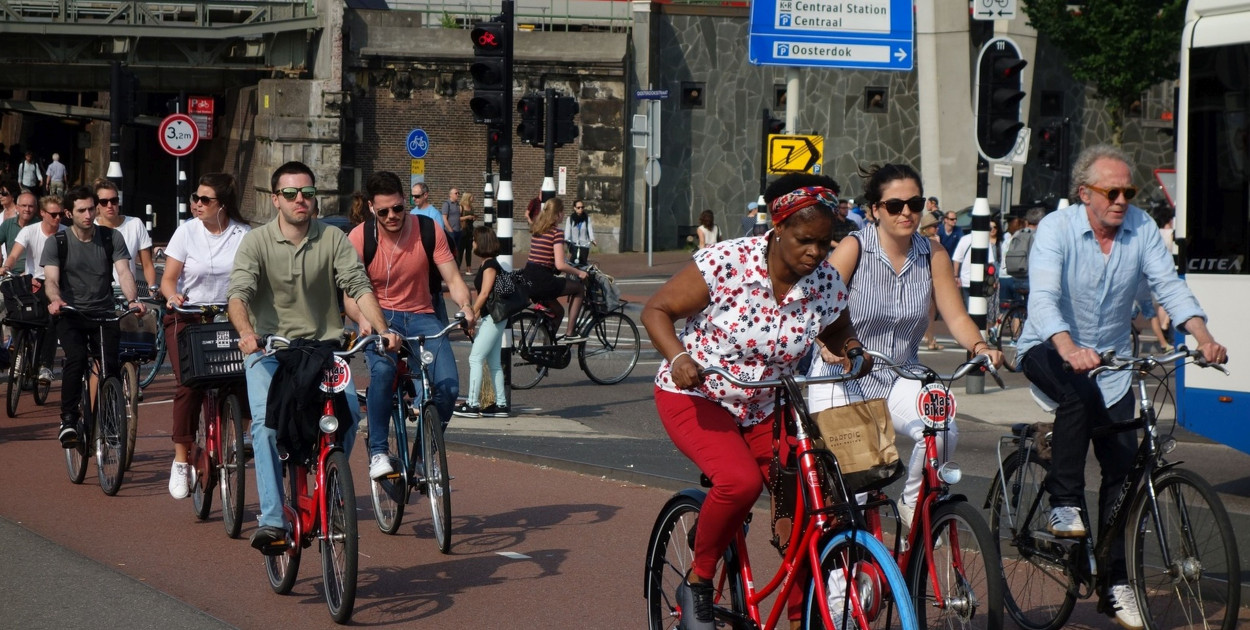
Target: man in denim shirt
{"points": [[1086, 266]]}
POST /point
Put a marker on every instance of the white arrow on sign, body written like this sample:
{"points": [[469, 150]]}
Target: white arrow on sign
{"points": [[900, 54]]}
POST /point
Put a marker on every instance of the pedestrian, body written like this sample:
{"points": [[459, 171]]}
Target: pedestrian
{"points": [[579, 233], [532, 210], [54, 176], [948, 233], [928, 229], [547, 260], [198, 260], [963, 261], [485, 350], [132, 229], [451, 220], [359, 210], [421, 205], [709, 234], [751, 221], [29, 175], [467, 216]]}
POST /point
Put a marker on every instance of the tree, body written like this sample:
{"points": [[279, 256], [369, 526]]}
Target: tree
{"points": [[1121, 48]]}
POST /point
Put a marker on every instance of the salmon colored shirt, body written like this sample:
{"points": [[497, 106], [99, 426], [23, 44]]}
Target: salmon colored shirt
{"points": [[399, 273]]}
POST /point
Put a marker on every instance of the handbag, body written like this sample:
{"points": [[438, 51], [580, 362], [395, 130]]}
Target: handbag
{"points": [[861, 436], [509, 296]]}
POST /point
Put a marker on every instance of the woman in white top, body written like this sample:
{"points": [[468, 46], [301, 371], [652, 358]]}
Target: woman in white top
{"points": [[198, 260], [579, 234], [709, 234]]}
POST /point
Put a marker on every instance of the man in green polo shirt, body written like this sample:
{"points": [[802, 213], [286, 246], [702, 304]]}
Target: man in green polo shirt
{"points": [[286, 279]]}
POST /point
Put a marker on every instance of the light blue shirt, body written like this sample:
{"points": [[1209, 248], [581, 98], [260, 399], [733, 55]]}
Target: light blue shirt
{"points": [[430, 211], [1075, 288]]}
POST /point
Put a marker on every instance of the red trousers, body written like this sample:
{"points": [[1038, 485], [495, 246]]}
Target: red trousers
{"points": [[187, 401]]}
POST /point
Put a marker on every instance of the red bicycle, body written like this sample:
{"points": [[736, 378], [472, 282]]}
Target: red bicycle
{"points": [[321, 499]]}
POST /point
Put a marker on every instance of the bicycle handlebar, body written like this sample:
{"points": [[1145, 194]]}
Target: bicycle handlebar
{"points": [[270, 341], [201, 309], [925, 373], [1112, 363], [100, 320], [859, 367], [457, 322]]}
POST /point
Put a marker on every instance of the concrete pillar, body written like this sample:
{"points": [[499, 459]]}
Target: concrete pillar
{"points": [[634, 212], [948, 150]]}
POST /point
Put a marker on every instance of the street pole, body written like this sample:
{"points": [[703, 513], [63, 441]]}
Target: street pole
{"points": [[504, 229], [974, 383], [115, 124], [549, 144]]}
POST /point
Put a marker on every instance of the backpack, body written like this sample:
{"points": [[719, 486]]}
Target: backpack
{"points": [[1016, 260], [427, 241], [62, 244]]}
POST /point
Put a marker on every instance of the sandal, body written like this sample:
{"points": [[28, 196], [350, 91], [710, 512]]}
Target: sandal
{"points": [[934, 345]]}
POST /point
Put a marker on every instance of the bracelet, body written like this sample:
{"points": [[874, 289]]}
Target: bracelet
{"points": [[979, 343], [677, 356], [848, 342]]}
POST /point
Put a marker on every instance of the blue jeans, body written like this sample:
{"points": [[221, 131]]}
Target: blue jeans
{"points": [[268, 467], [486, 350], [446, 380]]}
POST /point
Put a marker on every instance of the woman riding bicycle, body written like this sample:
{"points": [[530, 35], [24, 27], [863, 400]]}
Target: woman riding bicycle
{"points": [[198, 260], [894, 274], [546, 262], [734, 321]]}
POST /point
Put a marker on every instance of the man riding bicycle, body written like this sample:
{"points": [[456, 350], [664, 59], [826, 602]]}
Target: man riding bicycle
{"points": [[82, 277], [286, 279], [397, 260], [1085, 269]]}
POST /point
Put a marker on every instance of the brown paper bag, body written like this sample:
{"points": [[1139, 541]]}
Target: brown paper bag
{"points": [[861, 436]]}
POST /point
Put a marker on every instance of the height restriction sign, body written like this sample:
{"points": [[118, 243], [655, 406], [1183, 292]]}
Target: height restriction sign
{"points": [[178, 134]]}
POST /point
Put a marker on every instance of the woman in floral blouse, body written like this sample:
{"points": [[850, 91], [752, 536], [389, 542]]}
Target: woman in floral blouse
{"points": [[754, 306]]}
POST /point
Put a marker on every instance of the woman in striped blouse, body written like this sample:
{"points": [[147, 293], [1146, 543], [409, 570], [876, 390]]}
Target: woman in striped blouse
{"points": [[547, 260], [894, 274]]}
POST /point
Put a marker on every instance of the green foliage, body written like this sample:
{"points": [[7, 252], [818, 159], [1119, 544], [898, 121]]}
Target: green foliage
{"points": [[449, 21], [1120, 47]]}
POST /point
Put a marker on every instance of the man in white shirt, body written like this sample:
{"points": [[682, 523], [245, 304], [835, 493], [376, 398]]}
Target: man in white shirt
{"points": [[30, 241], [28, 174], [54, 176], [135, 233]]}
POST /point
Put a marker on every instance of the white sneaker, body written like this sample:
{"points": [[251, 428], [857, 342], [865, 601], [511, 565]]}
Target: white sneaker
{"points": [[1065, 522], [905, 513], [1124, 601], [45, 376], [380, 466], [180, 480]]}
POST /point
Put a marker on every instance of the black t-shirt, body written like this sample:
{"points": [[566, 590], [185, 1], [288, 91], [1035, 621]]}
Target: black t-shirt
{"points": [[488, 263]]}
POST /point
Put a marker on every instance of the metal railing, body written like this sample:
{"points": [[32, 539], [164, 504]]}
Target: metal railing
{"points": [[187, 13], [545, 15]]}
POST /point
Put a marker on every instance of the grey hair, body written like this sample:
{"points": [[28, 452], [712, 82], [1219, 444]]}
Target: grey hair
{"points": [[1035, 215], [1083, 170]]}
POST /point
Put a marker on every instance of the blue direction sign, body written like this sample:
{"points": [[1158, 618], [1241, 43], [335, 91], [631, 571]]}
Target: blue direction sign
{"points": [[418, 143], [650, 95], [858, 34]]}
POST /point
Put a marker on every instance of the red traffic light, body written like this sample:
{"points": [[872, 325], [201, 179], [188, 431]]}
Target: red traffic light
{"points": [[488, 38], [1008, 67]]}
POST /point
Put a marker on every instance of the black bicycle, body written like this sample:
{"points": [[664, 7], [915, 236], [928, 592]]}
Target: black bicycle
{"points": [[1182, 557], [29, 320]]}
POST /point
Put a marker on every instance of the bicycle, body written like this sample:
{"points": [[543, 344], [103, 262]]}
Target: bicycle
{"points": [[134, 352], [1181, 553], [320, 503], [153, 363], [1006, 331], [107, 429], [29, 322], [950, 556], [413, 401], [218, 455], [607, 356], [828, 539]]}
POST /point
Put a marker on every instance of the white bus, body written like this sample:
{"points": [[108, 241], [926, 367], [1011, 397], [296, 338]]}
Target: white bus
{"points": [[1213, 210]]}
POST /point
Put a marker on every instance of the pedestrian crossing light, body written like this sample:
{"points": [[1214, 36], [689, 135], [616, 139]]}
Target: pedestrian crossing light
{"points": [[999, 92], [490, 95]]}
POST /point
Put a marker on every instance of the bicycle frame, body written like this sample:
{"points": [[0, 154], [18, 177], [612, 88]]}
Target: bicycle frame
{"points": [[310, 502]]}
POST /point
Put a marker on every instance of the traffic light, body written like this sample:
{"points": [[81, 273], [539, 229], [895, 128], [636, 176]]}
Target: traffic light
{"points": [[775, 125], [530, 131], [1050, 146], [131, 106], [491, 94], [999, 92], [494, 138], [566, 130]]}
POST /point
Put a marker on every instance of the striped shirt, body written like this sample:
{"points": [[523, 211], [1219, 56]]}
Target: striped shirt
{"points": [[542, 247], [890, 311]]}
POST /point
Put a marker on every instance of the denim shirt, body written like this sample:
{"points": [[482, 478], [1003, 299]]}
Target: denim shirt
{"points": [[1075, 288]]}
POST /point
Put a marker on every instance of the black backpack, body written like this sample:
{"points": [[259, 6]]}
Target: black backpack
{"points": [[427, 228]]}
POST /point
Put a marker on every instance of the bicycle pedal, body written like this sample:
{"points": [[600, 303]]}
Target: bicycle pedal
{"points": [[275, 548]]}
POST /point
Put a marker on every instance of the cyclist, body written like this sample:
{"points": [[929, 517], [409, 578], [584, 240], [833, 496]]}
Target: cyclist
{"points": [[398, 265], [30, 241], [894, 275], [197, 269], [82, 277], [548, 258], [286, 279], [132, 229], [752, 305], [1085, 269]]}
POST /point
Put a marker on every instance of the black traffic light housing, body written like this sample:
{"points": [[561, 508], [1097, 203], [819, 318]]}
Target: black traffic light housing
{"points": [[565, 128], [998, 95], [775, 125], [1050, 145], [530, 131], [491, 94]]}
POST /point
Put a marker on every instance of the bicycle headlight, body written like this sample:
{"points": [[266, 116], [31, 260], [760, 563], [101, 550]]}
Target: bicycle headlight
{"points": [[427, 357], [1167, 445], [951, 473], [328, 424]]}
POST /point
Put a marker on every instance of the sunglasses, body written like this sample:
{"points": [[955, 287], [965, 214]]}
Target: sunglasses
{"points": [[4, 193], [205, 199], [109, 201], [895, 206], [384, 212], [1114, 193], [420, 196], [289, 193]]}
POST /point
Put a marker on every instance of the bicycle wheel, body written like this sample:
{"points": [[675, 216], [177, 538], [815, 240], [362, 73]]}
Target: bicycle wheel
{"points": [[879, 597], [283, 568], [233, 465], [390, 493], [341, 551], [110, 438], [670, 555], [965, 558], [1183, 557], [17, 371], [436, 478], [1009, 331], [528, 330], [76, 457], [202, 466], [150, 370], [611, 349], [130, 384], [1039, 588]]}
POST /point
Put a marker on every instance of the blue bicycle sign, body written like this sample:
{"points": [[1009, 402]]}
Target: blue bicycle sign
{"points": [[418, 143]]}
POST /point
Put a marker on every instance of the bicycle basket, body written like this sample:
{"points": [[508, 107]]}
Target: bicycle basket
{"points": [[209, 355], [22, 304], [602, 293]]}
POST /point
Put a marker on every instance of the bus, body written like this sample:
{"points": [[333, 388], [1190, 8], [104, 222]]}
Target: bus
{"points": [[1212, 224]]}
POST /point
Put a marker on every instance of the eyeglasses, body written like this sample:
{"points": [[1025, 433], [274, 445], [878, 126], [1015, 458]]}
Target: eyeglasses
{"points": [[384, 212], [4, 193], [420, 196], [290, 193], [109, 201], [1114, 193], [895, 206], [205, 199], [950, 218], [579, 207]]}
